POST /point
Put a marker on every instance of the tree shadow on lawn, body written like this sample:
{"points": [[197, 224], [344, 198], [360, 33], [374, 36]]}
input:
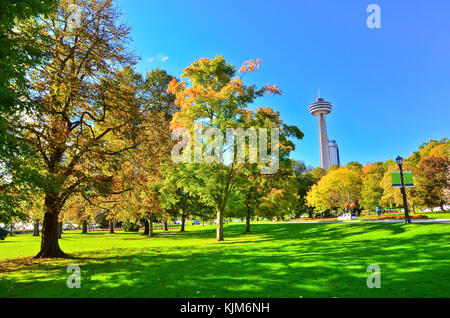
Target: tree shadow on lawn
{"points": [[280, 265], [278, 231], [326, 230], [291, 231], [269, 231]]}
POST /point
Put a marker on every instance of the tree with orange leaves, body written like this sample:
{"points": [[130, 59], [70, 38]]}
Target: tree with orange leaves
{"points": [[216, 96], [84, 115]]}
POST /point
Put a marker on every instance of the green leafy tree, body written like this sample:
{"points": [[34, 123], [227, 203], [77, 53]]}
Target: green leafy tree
{"points": [[17, 53], [355, 166], [272, 194], [155, 96], [317, 173], [280, 195], [217, 98], [305, 181], [372, 191]]}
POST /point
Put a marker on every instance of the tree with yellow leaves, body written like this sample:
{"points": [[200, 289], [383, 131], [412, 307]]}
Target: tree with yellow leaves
{"points": [[336, 189]]}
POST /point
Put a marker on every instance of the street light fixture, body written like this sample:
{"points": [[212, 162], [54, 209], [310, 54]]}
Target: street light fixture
{"points": [[405, 202]]}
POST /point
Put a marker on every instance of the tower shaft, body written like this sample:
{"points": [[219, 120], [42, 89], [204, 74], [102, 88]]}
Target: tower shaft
{"points": [[323, 140]]}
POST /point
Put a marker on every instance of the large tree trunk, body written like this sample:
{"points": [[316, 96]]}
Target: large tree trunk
{"points": [[60, 226], [50, 230], [84, 229], [219, 227], [111, 226], [247, 223], [166, 227], [183, 221], [146, 228], [150, 227], [36, 229]]}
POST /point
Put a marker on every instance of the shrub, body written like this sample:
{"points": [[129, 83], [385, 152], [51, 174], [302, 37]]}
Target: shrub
{"points": [[396, 217], [129, 226]]}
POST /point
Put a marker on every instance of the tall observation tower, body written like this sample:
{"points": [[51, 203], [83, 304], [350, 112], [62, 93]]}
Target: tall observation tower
{"points": [[321, 108]]}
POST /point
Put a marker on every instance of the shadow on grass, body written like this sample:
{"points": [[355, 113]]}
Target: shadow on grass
{"points": [[289, 260]]}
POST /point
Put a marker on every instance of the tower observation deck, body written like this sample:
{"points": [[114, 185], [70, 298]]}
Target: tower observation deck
{"points": [[321, 108]]}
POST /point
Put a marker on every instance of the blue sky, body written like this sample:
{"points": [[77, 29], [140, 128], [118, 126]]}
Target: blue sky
{"points": [[390, 87]]}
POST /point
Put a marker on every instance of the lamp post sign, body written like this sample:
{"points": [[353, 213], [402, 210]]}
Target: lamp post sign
{"points": [[397, 179], [403, 179]]}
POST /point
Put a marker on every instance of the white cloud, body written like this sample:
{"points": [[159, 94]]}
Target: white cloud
{"points": [[160, 57]]}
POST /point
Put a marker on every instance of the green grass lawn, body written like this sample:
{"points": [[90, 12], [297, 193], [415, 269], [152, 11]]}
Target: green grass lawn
{"points": [[279, 260]]}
